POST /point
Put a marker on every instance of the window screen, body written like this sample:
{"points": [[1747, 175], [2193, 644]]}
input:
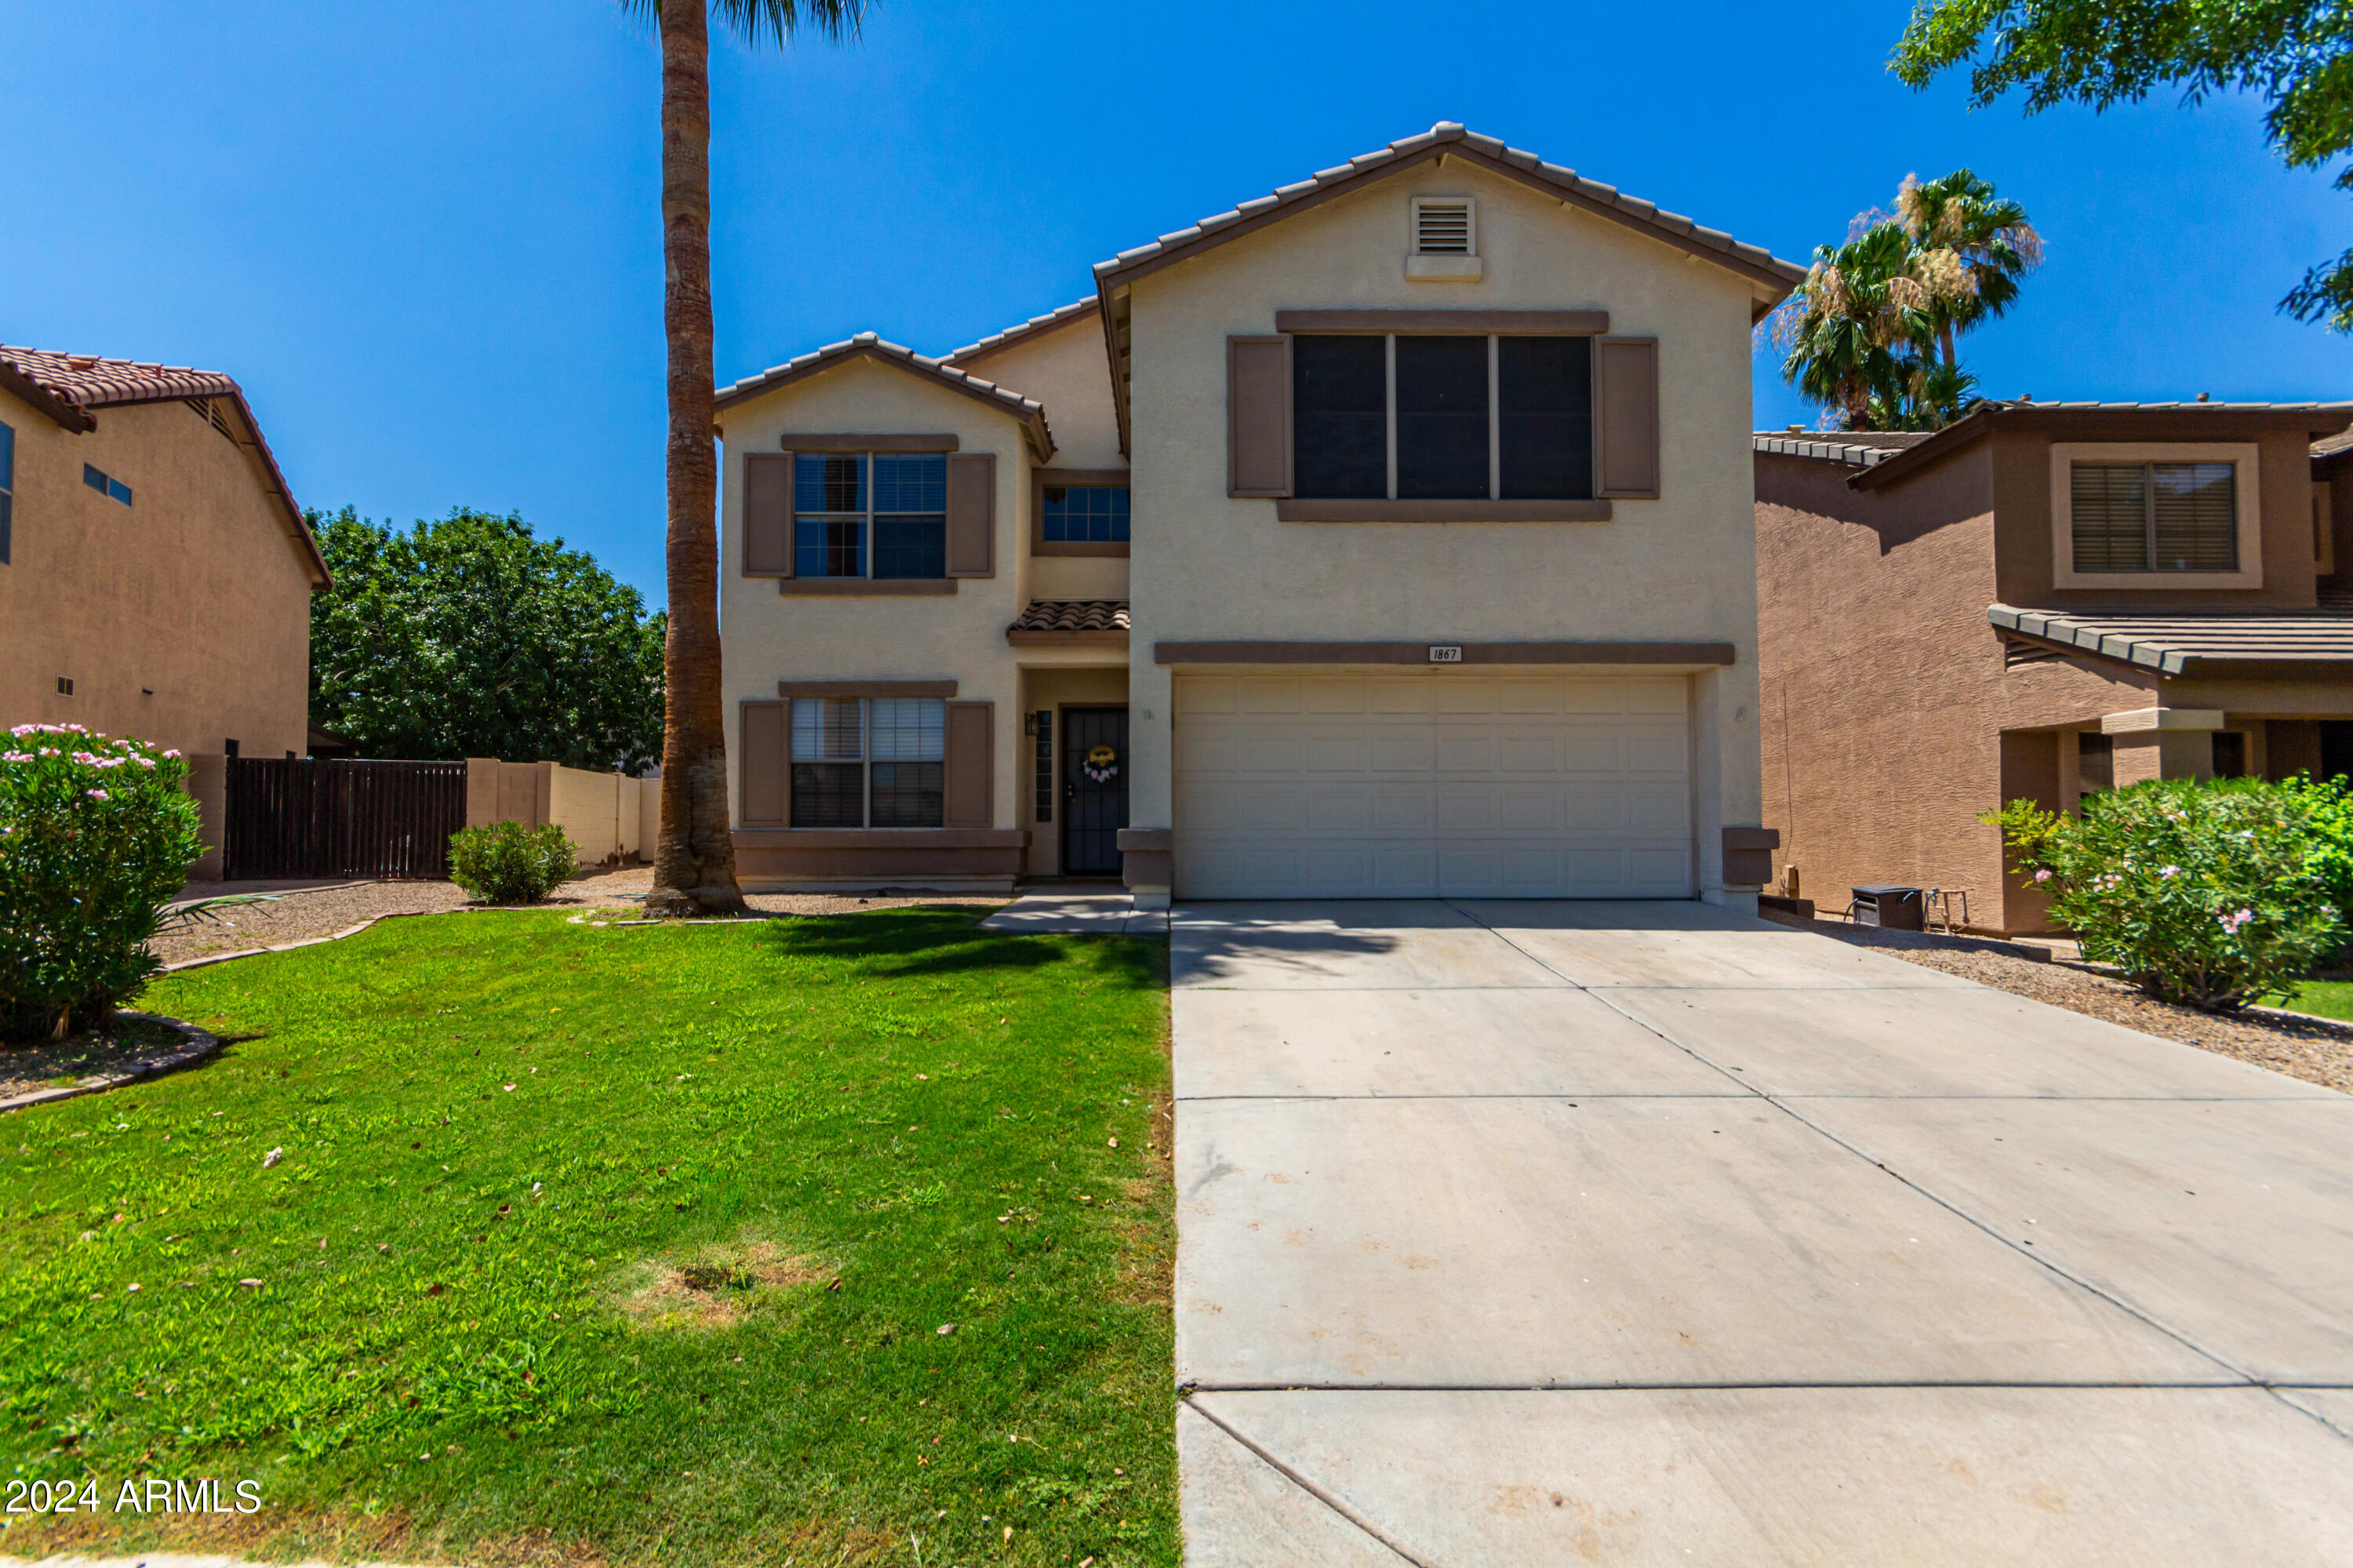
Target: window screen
{"points": [[1339, 398], [828, 762], [1545, 386], [1086, 514], [883, 514], [2155, 517], [909, 747], [1441, 419], [869, 762]]}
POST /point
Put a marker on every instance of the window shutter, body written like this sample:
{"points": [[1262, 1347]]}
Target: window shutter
{"points": [[972, 514], [971, 781], [767, 765], [1258, 415], [1627, 369], [768, 514]]}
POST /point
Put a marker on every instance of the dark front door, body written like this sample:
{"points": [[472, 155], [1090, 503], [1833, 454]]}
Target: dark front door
{"points": [[1094, 789]]}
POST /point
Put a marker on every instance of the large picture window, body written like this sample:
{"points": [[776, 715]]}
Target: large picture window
{"points": [[1442, 417], [869, 762], [2154, 516], [870, 515]]}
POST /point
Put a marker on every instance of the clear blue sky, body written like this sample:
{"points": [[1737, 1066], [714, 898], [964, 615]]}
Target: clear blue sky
{"points": [[425, 236]]}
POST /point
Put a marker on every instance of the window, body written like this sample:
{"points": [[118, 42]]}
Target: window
{"points": [[1085, 515], [2230, 753], [880, 515], [1045, 766], [65, 685], [1461, 418], [111, 488], [2154, 516], [2095, 761], [869, 762], [7, 487]]}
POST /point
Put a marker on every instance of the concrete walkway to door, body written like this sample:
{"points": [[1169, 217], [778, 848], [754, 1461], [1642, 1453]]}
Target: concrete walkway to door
{"points": [[1654, 1233]]}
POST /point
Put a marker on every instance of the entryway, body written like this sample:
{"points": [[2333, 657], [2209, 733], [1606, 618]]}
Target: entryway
{"points": [[1094, 789]]}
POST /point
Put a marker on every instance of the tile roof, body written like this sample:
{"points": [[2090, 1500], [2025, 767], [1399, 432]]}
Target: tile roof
{"points": [[2331, 446], [2273, 643], [1072, 615], [1450, 137], [871, 346], [1856, 449], [1027, 330], [2168, 421], [66, 386]]}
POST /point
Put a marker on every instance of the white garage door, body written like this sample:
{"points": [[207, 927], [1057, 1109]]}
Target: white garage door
{"points": [[1436, 784]]}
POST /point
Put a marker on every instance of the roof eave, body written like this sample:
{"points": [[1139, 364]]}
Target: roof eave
{"points": [[22, 387], [1029, 414]]}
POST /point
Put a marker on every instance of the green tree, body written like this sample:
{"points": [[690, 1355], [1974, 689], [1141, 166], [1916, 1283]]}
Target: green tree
{"points": [[694, 861], [1971, 246], [2298, 54], [469, 636]]}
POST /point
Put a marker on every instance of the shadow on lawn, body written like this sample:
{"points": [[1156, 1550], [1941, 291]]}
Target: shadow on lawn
{"points": [[944, 939]]}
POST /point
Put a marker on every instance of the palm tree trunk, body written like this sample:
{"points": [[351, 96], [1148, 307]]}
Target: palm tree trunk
{"points": [[1944, 332], [694, 864]]}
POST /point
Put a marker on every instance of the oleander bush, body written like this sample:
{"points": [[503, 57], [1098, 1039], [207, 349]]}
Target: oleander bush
{"points": [[2214, 893], [506, 862], [96, 836]]}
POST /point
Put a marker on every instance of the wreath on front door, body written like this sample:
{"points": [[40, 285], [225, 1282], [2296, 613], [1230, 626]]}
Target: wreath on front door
{"points": [[1101, 764]]}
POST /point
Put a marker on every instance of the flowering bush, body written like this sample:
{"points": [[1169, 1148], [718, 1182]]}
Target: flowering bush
{"points": [[95, 840], [507, 863], [2214, 893]]}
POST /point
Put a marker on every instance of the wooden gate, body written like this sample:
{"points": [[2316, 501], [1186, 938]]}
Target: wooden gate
{"points": [[301, 818]]}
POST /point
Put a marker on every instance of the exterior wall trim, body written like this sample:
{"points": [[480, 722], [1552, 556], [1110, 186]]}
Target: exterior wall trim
{"points": [[1297, 511], [881, 838], [1532, 323], [866, 587], [1020, 639], [2246, 457], [866, 689], [805, 443], [1649, 654]]}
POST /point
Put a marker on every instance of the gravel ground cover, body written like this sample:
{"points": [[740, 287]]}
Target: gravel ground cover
{"points": [[309, 910], [130, 1045], [2315, 1049]]}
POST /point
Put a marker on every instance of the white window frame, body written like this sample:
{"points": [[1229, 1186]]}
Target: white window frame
{"points": [[1446, 266], [2246, 483]]}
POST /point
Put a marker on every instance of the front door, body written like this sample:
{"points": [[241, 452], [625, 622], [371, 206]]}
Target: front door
{"points": [[1094, 789]]}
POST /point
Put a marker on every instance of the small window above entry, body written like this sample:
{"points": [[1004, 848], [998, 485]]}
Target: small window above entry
{"points": [[1445, 241]]}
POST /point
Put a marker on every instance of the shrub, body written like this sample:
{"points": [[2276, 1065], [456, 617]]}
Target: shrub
{"points": [[95, 840], [2210, 894], [507, 863]]}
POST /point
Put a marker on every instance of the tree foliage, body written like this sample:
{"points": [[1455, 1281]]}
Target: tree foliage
{"points": [[2296, 54], [469, 636], [1870, 333]]}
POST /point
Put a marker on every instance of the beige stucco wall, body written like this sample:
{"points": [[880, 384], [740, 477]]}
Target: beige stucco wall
{"points": [[603, 815], [1682, 567], [767, 637], [195, 593]]}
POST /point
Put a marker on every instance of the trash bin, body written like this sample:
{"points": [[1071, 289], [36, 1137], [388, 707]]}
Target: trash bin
{"points": [[1886, 904]]}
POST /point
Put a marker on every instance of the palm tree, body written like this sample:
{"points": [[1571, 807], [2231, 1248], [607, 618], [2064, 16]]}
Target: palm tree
{"points": [[1976, 243], [1849, 330], [694, 863]]}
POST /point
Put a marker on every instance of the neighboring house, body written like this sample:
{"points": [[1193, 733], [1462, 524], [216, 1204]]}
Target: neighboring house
{"points": [[2040, 600], [1389, 535], [155, 576]]}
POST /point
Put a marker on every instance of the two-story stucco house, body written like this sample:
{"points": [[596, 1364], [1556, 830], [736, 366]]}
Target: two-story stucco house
{"points": [[1389, 535], [2038, 602], [155, 575]]}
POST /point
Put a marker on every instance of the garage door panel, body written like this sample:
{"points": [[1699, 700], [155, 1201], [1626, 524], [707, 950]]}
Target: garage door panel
{"points": [[1410, 786]]}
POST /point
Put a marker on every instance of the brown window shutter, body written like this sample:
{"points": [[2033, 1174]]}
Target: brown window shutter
{"points": [[972, 514], [1258, 415], [971, 782], [768, 514], [767, 765], [1628, 439]]}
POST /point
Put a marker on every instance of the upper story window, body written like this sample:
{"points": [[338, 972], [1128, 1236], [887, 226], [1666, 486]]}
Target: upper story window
{"points": [[869, 762], [1469, 418], [8, 488], [2154, 516], [106, 484], [870, 515], [1084, 514]]}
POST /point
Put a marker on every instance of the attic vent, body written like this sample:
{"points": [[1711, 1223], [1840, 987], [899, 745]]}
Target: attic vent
{"points": [[209, 411], [1442, 227]]}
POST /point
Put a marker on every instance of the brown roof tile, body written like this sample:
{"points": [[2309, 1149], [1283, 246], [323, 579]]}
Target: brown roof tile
{"points": [[1002, 340], [871, 346], [2271, 643], [1072, 615]]}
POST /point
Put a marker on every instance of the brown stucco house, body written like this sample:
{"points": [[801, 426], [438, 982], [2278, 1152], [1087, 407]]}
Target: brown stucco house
{"points": [[2040, 600], [155, 573]]}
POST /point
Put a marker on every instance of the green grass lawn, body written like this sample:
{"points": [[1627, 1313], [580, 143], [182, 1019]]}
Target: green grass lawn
{"points": [[623, 1244], [2327, 999]]}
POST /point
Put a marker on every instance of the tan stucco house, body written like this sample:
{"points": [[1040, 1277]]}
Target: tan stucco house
{"points": [[1388, 535], [2036, 601], [155, 575]]}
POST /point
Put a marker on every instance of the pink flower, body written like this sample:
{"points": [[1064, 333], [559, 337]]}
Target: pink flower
{"points": [[2230, 923], [95, 794], [173, 752], [2168, 871], [2041, 876]]}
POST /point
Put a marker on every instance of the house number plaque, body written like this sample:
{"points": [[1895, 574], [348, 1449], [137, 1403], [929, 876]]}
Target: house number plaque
{"points": [[1446, 653]]}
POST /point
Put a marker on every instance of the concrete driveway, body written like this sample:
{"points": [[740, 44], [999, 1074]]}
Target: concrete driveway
{"points": [[1537, 1232]]}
